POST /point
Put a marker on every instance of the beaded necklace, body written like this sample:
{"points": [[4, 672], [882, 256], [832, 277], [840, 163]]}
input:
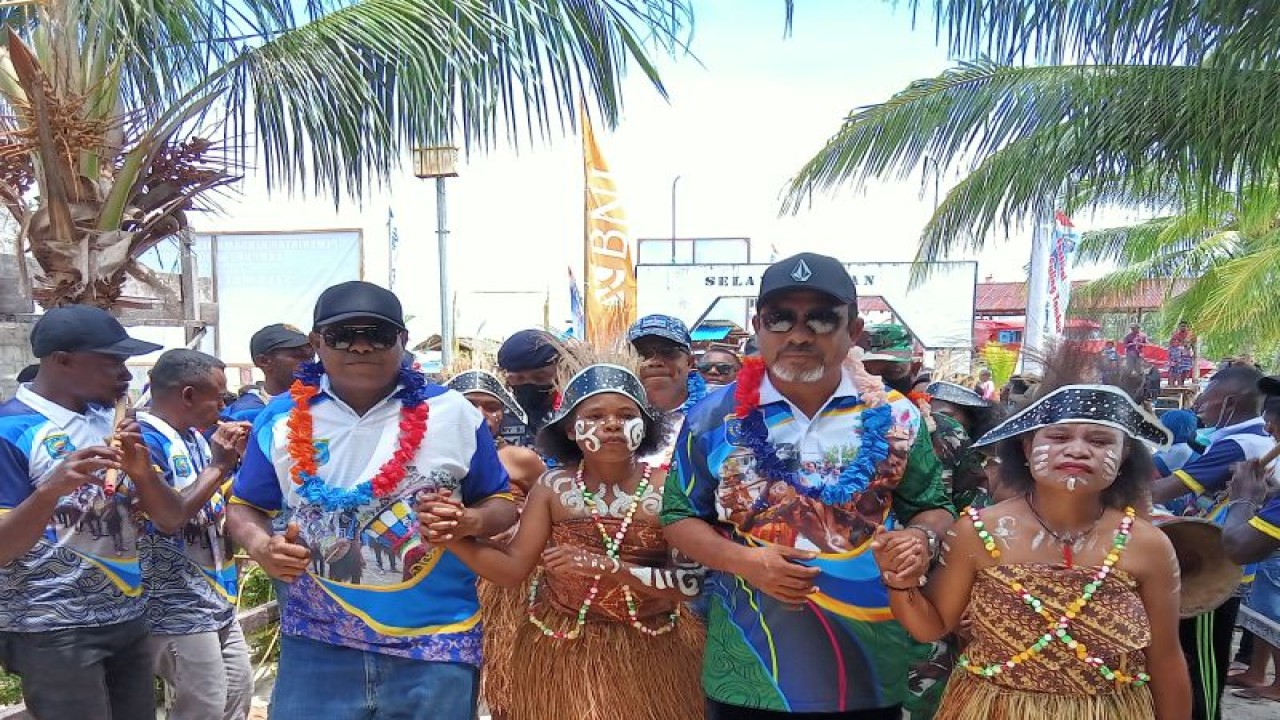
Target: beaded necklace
{"points": [[612, 547], [1059, 628]]}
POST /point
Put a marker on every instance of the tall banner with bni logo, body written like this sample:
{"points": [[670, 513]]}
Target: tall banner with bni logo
{"points": [[610, 297], [575, 308], [1063, 244]]}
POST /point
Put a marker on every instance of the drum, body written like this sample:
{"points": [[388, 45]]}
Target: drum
{"points": [[1209, 578]]}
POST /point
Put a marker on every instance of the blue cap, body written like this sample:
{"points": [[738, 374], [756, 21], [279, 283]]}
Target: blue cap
{"points": [[663, 326]]}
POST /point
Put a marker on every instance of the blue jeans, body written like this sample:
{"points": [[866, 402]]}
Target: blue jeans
{"points": [[318, 680]]}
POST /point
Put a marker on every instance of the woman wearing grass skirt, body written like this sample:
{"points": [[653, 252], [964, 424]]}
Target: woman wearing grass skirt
{"points": [[1074, 600], [606, 633]]}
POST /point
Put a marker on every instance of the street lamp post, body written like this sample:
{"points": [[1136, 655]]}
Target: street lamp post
{"points": [[440, 163]]}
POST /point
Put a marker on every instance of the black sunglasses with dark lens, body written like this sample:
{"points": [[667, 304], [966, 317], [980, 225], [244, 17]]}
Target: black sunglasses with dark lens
{"points": [[715, 367], [381, 336], [823, 321]]}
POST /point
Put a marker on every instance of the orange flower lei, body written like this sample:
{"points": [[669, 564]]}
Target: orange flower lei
{"points": [[414, 413]]}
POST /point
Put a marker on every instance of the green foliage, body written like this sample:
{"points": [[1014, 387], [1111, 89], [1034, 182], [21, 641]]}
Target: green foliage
{"points": [[255, 588], [10, 689]]}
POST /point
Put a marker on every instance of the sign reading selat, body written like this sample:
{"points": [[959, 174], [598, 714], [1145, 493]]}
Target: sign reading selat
{"points": [[939, 311], [749, 281]]}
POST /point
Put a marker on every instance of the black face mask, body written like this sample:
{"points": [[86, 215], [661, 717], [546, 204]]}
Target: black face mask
{"points": [[535, 399]]}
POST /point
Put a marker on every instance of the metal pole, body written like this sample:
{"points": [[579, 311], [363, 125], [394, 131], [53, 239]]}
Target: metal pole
{"points": [[446, 313], [674, 183], [190, 299]]}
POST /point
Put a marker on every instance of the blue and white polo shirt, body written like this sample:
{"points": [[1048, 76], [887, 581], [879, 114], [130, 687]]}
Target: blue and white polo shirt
{"points": [[190, 577], [372, 584], [84, 571]]}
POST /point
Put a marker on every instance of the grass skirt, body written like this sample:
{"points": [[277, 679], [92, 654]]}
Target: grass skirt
{"points": [[502, 610], [610, 672], [969, 697]]}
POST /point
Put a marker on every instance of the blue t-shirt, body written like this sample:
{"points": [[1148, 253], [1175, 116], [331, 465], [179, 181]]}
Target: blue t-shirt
{"points": [[245, 408], [842, 651], [84, 571], [1267, 519], [372, 585], [190, 577]]}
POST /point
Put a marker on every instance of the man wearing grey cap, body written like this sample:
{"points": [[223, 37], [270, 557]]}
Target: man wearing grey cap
{"points": [[778, 485], [71, 606]]}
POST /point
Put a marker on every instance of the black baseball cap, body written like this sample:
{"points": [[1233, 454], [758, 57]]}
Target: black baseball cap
{"points": [[358, 299], [275, 337], [84, 328], [809, 271], [1270, 385]]}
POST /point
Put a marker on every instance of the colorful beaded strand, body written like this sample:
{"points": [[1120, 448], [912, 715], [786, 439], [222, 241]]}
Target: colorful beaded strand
{"points": [[1060, 628]]}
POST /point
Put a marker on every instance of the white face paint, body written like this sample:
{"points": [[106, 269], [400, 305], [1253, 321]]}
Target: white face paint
{"points": [[633, 430], [1111, 463], [1040, 458], [584, 431]]}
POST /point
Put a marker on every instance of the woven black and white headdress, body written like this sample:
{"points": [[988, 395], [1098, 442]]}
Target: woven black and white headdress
{"points": [[1097, 404], [487, 383], [956, 394], [596, 379]]}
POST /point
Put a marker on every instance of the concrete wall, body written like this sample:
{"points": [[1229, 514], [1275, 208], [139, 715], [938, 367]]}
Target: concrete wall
{"points": [[15, 354]]}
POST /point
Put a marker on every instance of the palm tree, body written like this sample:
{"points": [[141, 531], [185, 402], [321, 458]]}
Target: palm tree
{"points": [[118, 117], [1222, 251], [1161, 99]]}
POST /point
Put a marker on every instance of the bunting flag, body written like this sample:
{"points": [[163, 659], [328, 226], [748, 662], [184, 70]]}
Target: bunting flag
{"points": [[1064, 242], [610, 302], [575, 307]]}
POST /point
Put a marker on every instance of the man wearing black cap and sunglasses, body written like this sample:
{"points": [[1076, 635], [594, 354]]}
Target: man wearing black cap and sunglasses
{"points": [[791, 462], [71, 604], [277, 351], [344, 460]]}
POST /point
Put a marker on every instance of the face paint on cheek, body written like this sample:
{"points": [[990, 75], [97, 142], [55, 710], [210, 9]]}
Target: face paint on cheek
{"points": [[1111, 463], [1040, 458], [633, 429], [584, 431]]}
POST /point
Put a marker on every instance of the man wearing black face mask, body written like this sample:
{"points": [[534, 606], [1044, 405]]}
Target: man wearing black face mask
{"points": [[528, 362], [1231, 404]]}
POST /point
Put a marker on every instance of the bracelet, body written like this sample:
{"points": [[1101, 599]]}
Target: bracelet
{"points": [[931, 540], [909, 588]]}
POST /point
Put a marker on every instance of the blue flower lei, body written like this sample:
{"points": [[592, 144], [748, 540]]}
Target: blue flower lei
{"points": [[314, 490], [857, 475], [696, 388]]}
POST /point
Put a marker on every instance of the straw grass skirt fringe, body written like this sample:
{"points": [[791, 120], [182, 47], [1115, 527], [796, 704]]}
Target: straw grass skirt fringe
{"points": [[969, 697], [501, 610], [610, 672]]}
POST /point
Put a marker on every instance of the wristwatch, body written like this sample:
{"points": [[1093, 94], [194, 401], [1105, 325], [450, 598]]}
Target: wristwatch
{"points": [[932, 538]]}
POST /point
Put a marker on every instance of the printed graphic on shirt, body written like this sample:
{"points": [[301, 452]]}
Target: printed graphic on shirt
{"points": [[365, 545], [773, 511], [103, 529]]}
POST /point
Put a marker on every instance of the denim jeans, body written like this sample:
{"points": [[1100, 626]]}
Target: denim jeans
{"points": [[318, 680], [209, 672], [103, 673]]}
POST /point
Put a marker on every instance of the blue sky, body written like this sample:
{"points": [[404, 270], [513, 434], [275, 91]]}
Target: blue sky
{"points": [[740, 119]]}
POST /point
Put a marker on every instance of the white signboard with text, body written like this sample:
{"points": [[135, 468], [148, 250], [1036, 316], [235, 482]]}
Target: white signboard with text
{"points": [[938, 311], [272, 277]]}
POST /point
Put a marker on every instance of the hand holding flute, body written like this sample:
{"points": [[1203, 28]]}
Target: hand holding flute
{"points": [[112, 476]]}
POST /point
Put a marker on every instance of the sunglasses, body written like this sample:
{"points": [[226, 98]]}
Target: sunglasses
{"points": [[716, 368], [382, 336], [663, 352], [820, 322]]}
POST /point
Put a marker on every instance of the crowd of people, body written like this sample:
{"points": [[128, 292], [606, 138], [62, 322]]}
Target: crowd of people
{"points": [[814, 527]]}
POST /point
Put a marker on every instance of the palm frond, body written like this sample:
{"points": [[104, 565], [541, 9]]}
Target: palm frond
{"points": [[1027, 134], [1245, 32], [334, 104]]}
